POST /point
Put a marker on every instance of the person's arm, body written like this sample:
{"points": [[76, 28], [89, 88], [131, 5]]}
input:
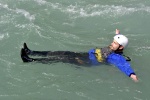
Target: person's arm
{"points": [[125, 67], [121, 63]]}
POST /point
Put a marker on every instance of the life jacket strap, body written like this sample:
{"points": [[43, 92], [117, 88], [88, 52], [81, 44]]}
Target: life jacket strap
{"points": [[127, 58]]}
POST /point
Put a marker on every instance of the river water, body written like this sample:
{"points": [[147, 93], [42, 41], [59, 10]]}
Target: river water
{"points": [[72, 25]]}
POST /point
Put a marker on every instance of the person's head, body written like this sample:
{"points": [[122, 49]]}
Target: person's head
{"points": [[119, 43]]}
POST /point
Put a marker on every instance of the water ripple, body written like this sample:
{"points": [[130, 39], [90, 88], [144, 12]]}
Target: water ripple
{"points": [[4, 36], [78, 10], [23, 12]]}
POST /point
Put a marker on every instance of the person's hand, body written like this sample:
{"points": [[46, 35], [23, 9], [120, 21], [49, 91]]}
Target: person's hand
{"points": [[134, 77], [117, 31]]}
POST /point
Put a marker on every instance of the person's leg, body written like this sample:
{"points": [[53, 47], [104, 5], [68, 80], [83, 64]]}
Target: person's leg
{"points": [[73, 58], [46, 53], [52, 59]]}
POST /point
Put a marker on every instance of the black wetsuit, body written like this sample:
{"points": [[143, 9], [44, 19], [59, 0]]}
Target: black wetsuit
{"points": [[80, 58]]}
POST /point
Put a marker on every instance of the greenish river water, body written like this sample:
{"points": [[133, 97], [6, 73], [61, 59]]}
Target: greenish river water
{"points": [[74, 25]]}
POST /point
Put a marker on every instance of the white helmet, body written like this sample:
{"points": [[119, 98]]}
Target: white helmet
{"points": [[121, 39]]}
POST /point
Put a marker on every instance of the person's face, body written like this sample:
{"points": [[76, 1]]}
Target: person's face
{"points": [[114, 45]]}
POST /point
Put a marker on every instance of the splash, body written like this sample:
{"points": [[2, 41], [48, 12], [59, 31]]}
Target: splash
{"points": [[78, 10], [103, 10], [4, 36], [26, 14]]}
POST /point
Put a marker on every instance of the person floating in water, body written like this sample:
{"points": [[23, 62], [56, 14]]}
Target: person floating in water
{"points": [[112, 54]]}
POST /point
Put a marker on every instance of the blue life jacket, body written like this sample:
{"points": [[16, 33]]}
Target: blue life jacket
{"points": [[92, 57], [115, 59]]}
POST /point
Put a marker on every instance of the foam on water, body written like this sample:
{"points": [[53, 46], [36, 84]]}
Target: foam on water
{"points": [[23, 12], [41, 2], [4, 6], [26, 14], [4, 36], [91, 10], [103, 10]]}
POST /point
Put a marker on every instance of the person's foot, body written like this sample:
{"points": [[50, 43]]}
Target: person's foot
{"points": [[25, 57], [27, 50]]}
